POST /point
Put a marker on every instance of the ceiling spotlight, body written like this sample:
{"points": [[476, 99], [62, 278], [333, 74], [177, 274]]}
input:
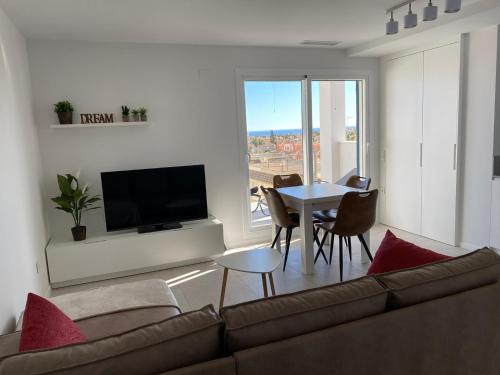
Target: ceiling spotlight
{"points": [[430, 12], [453, 6], [410, 19], [392, 27]]}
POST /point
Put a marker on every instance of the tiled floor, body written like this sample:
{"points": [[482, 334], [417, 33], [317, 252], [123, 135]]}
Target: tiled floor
{"points": [[198, 285]]}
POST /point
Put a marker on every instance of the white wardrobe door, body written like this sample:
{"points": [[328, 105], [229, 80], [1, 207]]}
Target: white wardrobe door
{"points": [[440, 129], [403, 132]]}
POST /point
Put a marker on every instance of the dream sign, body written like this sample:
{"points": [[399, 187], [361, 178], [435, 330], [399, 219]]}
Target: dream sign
{"points": [[96, 118]]}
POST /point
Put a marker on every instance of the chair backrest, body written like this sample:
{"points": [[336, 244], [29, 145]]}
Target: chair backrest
{"points": [[277, 207], [356, 214], [287, 180], [359, 182]]}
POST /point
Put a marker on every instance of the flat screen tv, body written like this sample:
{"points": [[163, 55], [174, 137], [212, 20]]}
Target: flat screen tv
{"points": [[150, 199]]}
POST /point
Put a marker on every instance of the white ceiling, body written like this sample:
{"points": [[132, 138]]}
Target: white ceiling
{"points": [[213, 22]]}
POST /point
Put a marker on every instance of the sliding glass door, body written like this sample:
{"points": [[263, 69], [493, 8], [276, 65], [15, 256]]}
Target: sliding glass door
{"points": [[274, 138], [336, 120], [311, 127]]}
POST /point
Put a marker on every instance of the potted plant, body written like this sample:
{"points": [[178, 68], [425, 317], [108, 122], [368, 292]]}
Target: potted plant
{"points": [[75, 201], [125, 113], [143, 113], [135, 115], [64, 110]]}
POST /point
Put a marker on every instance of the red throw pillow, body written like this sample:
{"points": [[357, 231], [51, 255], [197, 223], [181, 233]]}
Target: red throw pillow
{"points": [[45, 326], [396, 254]]}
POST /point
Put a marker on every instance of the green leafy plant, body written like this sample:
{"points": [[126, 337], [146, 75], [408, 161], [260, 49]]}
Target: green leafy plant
{"points": [[63, 106], [125, 110], [142, 111], [135, 112], [73, 199]]}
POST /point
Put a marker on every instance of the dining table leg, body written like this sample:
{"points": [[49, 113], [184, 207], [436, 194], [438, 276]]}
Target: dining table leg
{"points": [[307, 239]]}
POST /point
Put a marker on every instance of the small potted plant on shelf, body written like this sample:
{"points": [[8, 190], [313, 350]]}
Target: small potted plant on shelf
{"points": [[64, 110], [143, 113], [125, 113], [75, 201], [135, 115]]}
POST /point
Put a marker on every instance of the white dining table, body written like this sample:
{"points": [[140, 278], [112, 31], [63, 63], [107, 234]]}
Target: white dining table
{"points": [[309, 198]]}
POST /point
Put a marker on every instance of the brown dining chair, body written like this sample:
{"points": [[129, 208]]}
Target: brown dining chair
{"points": [[280, 217], [290, 180], [356, 182], [287, 180], [355, 216]]}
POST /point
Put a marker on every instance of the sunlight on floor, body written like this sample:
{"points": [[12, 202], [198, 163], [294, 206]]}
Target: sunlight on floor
{"points": [[189, 278]]}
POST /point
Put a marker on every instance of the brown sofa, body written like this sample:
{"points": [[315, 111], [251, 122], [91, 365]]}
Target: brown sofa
{"points": [[442, 318]]}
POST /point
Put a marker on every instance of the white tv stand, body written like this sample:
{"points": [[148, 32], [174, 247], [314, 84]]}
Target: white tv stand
{"points": [[127, 253]]}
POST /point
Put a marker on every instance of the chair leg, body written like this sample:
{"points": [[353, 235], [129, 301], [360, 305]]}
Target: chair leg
{"points": [[260, 205], [345, 241], [331, 248], [362, 240], [332, 240], [277, 236], [350, 248], [320, 249], [315, 234], [287, 248], [341, 259]]}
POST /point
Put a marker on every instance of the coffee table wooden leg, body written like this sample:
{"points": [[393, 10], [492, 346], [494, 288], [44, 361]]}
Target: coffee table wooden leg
{"points": [[223, 291], [271, 281], [264, 284]]}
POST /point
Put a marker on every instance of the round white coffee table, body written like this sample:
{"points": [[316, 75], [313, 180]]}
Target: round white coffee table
{"points": [[263, 261]]}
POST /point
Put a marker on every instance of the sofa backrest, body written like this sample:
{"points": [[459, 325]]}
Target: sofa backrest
{"points": [[268, 320], [176, 342], [416, 285], [455, 335]]}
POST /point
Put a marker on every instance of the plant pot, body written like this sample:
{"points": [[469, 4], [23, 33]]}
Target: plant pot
{"points": [[144, 118], [79, 232], [136, 118], [65, 117], [125, 118]]}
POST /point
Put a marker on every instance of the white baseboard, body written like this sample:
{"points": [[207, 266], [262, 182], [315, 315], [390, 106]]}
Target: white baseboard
{"points": [[469, 246]]}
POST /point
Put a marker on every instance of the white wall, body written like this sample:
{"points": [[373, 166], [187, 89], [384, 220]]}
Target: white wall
{"points": [[22, 229], [191, 94], [479, 118]]}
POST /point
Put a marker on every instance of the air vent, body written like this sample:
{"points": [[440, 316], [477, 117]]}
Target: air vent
{"points": [[322, 43]]}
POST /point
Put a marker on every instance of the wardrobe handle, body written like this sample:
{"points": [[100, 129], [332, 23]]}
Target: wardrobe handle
{"points": [[421, 146], [455, 157]]}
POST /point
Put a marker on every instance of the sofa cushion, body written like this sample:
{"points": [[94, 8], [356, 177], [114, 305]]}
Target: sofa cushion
{"points": [[104, 325], [436, 280], [45, 326], [113, 298], [176, 342], [221, 366], [396, 254], [267, 320]]}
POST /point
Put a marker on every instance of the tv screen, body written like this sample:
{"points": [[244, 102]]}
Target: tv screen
{"points": [[148, 197]]}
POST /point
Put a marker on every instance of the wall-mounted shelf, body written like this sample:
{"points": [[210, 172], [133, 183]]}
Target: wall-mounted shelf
{"points": [[104, 125]]}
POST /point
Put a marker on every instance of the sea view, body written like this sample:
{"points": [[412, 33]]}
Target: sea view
{"points": [[267, 133]]}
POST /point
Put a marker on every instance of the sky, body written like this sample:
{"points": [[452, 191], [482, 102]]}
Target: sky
{"points": [[277, 105]]}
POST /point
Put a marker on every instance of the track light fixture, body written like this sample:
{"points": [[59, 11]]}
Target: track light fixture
{"points": [[392, 27], [430, 13], [453, 6], [410, 18]]}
